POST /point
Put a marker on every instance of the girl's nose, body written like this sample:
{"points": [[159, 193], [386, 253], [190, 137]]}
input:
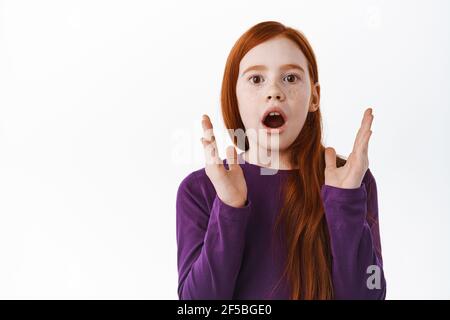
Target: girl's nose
{"points": [[275, 93], [278, 97]]}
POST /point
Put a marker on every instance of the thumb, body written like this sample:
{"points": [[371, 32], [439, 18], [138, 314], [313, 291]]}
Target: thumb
{"points": [[232, 158], [330, 158]]}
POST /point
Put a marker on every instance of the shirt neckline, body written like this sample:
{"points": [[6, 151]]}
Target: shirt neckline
{"points": [[261, 168]]}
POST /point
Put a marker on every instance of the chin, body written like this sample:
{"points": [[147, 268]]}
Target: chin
{"points": [[273, 147]]}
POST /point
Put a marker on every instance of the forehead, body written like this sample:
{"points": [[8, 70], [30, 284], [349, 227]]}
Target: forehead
{"points": [[274, 53]]}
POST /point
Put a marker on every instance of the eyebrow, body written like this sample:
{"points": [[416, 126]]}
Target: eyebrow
{"points": [[283, 67]]}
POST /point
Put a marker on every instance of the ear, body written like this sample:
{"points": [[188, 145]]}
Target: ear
{"points": [[315, 97]]}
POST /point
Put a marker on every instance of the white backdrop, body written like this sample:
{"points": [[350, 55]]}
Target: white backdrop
{"points": [[100, 109]]}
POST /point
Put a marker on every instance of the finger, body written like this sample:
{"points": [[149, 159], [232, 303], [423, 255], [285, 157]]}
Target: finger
{"points": [[207, 126], [365, 143], [330, 158], [208, 135], [210, 152], [208, 132], [232, 158], [367, 120], [366, 124]]}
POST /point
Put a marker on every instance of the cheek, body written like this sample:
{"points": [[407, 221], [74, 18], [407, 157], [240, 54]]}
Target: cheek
{"points": [[249, 107], [248, 99], [299, 96], [298, 102]]}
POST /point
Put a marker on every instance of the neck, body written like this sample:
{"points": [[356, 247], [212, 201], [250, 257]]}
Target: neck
{"points": [[266, 158]]}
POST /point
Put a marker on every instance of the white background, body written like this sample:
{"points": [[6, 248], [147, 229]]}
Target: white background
{"points": [[100, 109]]}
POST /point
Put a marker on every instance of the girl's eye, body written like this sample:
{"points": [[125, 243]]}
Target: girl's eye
{"points": [[292, 77], [255, 77]]}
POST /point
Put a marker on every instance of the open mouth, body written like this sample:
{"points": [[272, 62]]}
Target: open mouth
{"points": [[274, 120]]}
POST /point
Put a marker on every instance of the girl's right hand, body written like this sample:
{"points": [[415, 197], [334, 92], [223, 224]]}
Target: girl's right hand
{"points": [[229, 184]]}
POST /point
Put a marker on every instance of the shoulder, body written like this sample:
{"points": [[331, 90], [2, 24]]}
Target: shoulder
{"points": [[195, 189], [197, 183]]}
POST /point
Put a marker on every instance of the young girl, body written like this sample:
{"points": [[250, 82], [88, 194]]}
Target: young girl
{"points": [[308, 230]]}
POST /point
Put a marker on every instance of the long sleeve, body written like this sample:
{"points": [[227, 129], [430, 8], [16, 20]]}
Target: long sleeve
{"points": [[352, 218], [210, 240]]}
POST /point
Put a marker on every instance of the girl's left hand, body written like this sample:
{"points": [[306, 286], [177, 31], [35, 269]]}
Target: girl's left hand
{"points": [[350, 175]]}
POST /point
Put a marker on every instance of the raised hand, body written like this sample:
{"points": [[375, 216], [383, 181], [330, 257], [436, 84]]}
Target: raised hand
{"points": [[229, 184], [350, 175]]}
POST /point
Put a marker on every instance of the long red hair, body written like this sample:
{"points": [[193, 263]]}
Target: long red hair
{"points": [[302, 218]]}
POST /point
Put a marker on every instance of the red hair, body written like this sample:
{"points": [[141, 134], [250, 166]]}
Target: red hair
{"points": [[308, 263]]}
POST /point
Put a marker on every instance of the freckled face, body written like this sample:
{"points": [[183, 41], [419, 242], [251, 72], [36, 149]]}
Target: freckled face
{"points": [[274, 83]]}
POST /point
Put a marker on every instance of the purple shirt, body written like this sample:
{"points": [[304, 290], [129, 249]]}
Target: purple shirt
{"points": [[230, 253]]}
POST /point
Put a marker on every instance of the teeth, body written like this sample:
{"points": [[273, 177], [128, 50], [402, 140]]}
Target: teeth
{"points": [[274, 114]]}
